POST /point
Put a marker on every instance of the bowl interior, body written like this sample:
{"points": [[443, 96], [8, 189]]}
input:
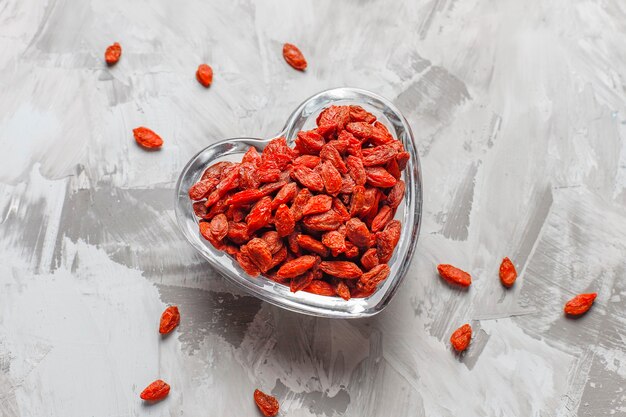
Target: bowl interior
{"points": [[409, 212]]}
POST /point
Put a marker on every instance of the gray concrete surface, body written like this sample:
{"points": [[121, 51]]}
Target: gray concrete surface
{"points": [[519, 110]]}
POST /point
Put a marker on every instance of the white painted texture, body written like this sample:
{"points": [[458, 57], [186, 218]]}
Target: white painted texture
{"points": [[518, 108]]}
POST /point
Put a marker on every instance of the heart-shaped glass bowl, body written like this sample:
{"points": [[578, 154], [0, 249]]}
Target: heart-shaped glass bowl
{"points": [[409, 212]]}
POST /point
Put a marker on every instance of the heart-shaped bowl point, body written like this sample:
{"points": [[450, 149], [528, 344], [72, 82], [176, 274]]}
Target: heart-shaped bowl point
{"points": [[303, 118]]}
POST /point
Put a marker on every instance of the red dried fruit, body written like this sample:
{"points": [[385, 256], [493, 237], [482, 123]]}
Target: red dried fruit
{"points": [[228, 181], [238, 233], [248, 176], [252, 156], [215, 170], [204, 75], [309, 142], [312, 245], [357, 170], [369, 259], [284, 221], [247, 264], [310, 161], [396, 194], [347, 184], [370, 279], [279, 257], [169, 320], [323, 222], [341, 269], [155, 391], [358, 200], [301, 282], [331, 154], [341, 209], [580, 304], [266, 403], [342, 290], [113, 53], [352, 251], [199, 209], [259, 252], [385, 214], [331, 119], [296, 266], [335, 241], [402, 158], [461, 338], [331, 178], [308, 178], [273, 240], [317, 204], [361, 130], [379, 177], [272, 187], [320, 288], [147, 138], [219, 226], [294, 57], [260, 214], [245, 197], [358, 233], [508, 274], [380, 135], [202, 188], [454, 275], [278, 154], [299, 202], [292, 242], [379, 155], [393, 168], [387, 240], [359, 114]]}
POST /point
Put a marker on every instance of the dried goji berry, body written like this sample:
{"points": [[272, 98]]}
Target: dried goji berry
{"points": [[341, 209], [309, 142], [357, 203], [508, 274], [204, 75], [379, 177], [347, 184], [299, 202], [113, 53], [238, 233], [335, 241], [317, 204], [369, 259], [385, 214], [393, 168], [370, 279], [352, 251], [294, 57], [332, 118], [279, 257], [278, 153], [273, 240], [248, 176], [387, 240], [147, 138], [169, 320], [200, 209], [258, 251], [454, 275], [342, 290], [461, 338], [301, 282], [356, 170], [323, 222], [215, 170], [359, 114], [312, 245], [284, 221], [331, 178], [310, 161], [266, 403], [247, 265], [341, 269], [379, 155], [272, 187], [260, 214], [396, 194], [402, 158], [380, 135], [320, 287], [297, 266], [202, 188], [308, 178], [219, 226], [330, 153], [580, 304], [155, 391], [252, 155], [358, 233]]}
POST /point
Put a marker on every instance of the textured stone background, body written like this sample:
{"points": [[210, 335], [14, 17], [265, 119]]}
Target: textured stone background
{"points": [[519, 111]]}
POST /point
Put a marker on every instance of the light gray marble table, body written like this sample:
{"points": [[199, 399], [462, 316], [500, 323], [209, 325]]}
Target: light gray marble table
{"points": [[519, 111]]}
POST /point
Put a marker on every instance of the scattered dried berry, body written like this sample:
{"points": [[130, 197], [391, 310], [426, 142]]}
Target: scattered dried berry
{"points": [[294, 57], [461, 338], [113, 54], [155, 391], [266, 403], [147, 138], [169, 320], [204, 75], [508, 274], [580, 304], [454, 275]]}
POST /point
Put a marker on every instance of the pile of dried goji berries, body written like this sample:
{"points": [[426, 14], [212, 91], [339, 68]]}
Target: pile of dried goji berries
{"points": [[317, 217]]}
